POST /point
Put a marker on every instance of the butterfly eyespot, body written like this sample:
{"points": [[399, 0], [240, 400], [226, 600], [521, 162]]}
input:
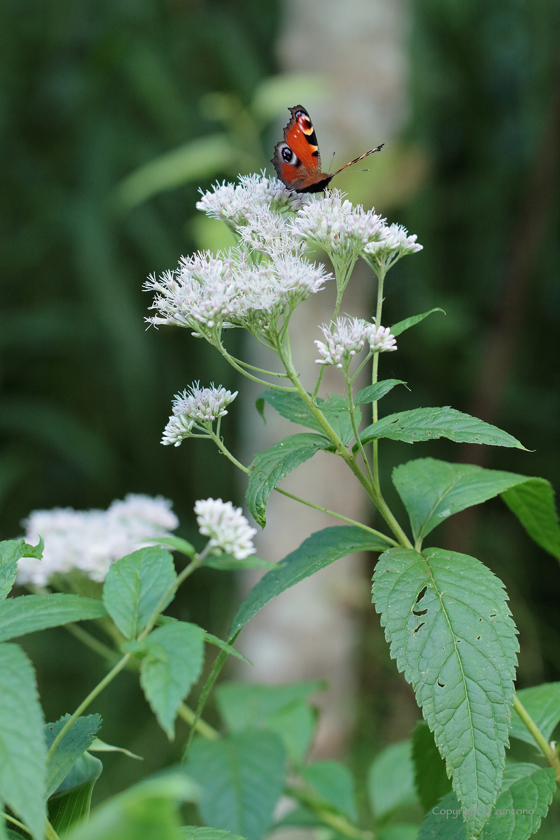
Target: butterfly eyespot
{"points": [[288, 156]]}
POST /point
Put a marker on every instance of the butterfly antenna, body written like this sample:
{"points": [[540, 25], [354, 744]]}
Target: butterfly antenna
{"points": [[371, 151], [332, 161]]}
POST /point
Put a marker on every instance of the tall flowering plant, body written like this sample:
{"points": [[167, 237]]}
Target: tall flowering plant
{"points": [[445, 614]]}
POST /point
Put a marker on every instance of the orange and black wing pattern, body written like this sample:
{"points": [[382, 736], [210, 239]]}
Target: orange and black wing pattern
{"points": [[296, 158]]}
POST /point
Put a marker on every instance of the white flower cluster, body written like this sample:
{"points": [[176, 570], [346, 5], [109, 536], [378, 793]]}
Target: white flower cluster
{"points": [[91, 540], [210, 293], [228, 529], [234, 204], [347, 337], [195, 405], [340, 228], [394, 244]]}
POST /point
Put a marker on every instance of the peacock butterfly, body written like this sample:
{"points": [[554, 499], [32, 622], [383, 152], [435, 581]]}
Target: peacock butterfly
{"points": [[297, 160]]}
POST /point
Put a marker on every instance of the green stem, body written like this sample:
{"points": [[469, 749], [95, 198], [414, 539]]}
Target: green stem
{"points": [[13, 820], [237, 367], [200, 725], [50, 832], [85, 703], [549, 752], [374, 377], [187, 571], [91, 642], [336, 821], [352, 410], [219, 663]]}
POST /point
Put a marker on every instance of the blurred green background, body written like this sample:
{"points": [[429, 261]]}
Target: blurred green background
{"points": [[93, 93]]}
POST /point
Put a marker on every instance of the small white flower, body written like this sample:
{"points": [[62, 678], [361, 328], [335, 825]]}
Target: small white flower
{"points": [[203, 405], [271, 234], [226, 526], [340, 228], [345, 338], [234, 204], [394, 244], [381, 339], [91, 540], [178, 428]]}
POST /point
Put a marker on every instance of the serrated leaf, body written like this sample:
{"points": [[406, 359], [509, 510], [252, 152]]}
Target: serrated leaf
{"points": [[10, 553], [229, 562], [319, 550], [373, 393], [431, 423], [22, 740], [524, 800], [135, 585], [430, 778], [274, 464], [542, 702], [433, 490], [97, 745], [334, 786], [533, 504], [173, 662], [147, 810], [242, 777], [30, 613], [295, 726], [214, 640], [195, 832], [446, 618], [401, 326], [391, 780], [334, 408], [73, 744], [337, 413], [245, 705], [72, 801]]}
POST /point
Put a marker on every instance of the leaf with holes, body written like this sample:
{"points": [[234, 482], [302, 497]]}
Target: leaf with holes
{"points": [[450, 630], [271, 466], [431, 423]]}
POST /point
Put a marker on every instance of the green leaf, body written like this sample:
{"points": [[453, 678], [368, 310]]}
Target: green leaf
{"points": [[135, 585], [543, 704], [72, 801], [176, 543], [200, 158], [434, 490], [10, 553], [29, 613], [244, 705], [319, 550], [401, 326], [214, 640], [229, 562], [97, 745], [148, 810], [293, 408], [242, 777], [431, 423], [173, 662], [375, 392], [195, 832], [533, 504], [271, 466], [74, 743], [430, 777], [524, 800], [398, 831], [295, 726], [450, 630], [391, 780], [290, 406], [22, 740], [334, 786]]}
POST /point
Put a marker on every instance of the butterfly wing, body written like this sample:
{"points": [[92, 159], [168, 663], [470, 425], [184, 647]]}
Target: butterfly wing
{"points": [[296, 158]]}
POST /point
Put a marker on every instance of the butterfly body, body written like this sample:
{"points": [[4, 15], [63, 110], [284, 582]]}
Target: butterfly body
{"points": [[297, 159]]}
